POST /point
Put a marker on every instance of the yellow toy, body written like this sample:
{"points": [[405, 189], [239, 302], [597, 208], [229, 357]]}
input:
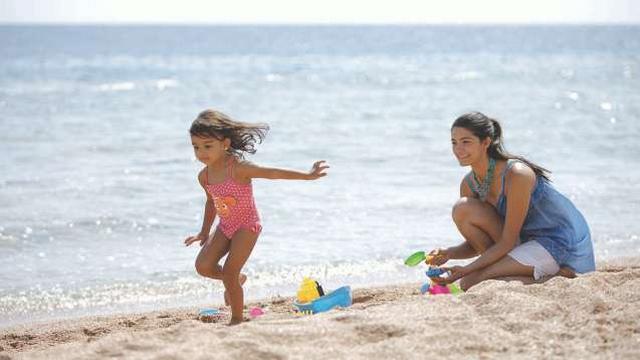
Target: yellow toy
{"points": [[309, 290]]}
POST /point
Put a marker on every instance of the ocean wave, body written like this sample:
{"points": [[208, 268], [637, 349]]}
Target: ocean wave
{"points": [[181, 289], [118, 86]]}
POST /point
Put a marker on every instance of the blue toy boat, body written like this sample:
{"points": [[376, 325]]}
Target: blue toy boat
{"points": [[339, 297]]}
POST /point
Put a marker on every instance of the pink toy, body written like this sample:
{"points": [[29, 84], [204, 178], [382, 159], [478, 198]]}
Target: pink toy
{"points": [[255, 312], [435, 289]]}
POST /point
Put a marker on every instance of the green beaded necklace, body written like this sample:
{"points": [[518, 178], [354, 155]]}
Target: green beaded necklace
{"points": [[482, 188]]}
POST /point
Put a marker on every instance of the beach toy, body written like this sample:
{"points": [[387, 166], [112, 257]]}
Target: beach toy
{"points": [[435, 272], [255, 312], [340, 297], [436, 289], [209, 315], [417, 258], [424, 288], [309, 290], [209, 312], [454, 289]]}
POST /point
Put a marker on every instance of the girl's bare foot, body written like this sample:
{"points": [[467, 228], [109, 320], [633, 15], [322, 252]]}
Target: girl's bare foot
{"points": [[242, 278], [566, 272], [235, 321]]}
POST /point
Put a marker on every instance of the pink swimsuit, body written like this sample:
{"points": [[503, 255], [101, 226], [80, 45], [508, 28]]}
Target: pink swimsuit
{"points": [[234, 204]]}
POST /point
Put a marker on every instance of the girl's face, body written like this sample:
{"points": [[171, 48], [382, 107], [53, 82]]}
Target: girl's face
{"points": [[208, 150], [467, 147]]}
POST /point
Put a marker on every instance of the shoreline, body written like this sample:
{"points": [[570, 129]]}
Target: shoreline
{"points": [[593, 316]]}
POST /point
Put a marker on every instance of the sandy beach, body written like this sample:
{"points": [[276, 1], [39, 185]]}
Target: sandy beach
{"points": [[594, 316]]}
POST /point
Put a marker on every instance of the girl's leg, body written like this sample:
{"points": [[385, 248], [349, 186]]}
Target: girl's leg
{"points": [[242, 244], [478, 222], [505, 269], [207, 261], [213, 250]]}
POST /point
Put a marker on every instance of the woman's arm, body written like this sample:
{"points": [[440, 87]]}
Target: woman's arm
{"points": [[521, 180], [248, 171], [460, 251]]}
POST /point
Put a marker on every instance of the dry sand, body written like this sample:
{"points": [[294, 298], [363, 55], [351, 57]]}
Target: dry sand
{"points": [[595, 316]]}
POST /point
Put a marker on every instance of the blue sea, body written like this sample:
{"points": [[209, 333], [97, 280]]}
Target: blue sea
{"points": [[98, 179]]}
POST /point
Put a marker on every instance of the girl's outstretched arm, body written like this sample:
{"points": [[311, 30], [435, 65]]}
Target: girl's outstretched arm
{"points": [[248, 170]]}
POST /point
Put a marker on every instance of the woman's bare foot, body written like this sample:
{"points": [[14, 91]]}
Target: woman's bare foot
{"points": [[566, 272], [235, 321], [242, 278]]}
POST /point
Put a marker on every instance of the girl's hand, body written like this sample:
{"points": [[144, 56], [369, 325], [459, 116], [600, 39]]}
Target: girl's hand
{"points": [[317, 171], [437, 257], [191, 239], [455, 273]]}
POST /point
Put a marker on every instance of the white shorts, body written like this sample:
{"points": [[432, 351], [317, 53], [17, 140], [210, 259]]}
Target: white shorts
{"points": [[531, 253]]}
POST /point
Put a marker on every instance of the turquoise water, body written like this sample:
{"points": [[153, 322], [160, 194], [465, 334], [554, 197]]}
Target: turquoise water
{"points": [[97, 180]]}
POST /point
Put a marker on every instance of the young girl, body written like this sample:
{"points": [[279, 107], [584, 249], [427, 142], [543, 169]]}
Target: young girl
{"points": [[510, 214], [220, 143]]}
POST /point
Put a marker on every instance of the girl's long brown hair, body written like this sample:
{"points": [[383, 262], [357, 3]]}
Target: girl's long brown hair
{"points": [[243, 136]]}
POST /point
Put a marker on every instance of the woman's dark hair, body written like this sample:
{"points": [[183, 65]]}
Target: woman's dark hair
{"points": [[484, 127], [243, 136]]}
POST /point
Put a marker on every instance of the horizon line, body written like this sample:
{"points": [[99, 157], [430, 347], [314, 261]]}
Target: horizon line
{"points": [[341, 23]]}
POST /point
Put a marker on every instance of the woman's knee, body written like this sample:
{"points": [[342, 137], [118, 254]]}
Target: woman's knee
{"points": [[464, 208]]}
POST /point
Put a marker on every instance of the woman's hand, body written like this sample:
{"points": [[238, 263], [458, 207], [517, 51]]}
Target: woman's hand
{"points": [[455, 273], [437, 257], [317, 171], [200, 237]]}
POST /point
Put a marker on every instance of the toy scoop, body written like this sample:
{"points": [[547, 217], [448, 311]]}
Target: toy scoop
{"points": [[417, 258]]}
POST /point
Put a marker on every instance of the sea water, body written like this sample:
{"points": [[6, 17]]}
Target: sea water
{"points": [[98, 179]]}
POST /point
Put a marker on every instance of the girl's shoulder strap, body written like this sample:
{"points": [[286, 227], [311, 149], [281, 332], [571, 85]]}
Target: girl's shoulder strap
{"points": [[230, 165]]}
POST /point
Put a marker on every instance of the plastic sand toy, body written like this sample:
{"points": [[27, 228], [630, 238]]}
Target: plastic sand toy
{"points": [[210, 315], [255, 312], [309, 290], [340, 297]]}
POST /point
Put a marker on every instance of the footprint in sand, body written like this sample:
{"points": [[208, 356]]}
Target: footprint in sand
{"points": [[347, 319], [95, 331], [372, 333], [362, 298]]}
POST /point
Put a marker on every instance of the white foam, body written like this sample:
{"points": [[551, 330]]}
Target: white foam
{"points": [[119, 86]]}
